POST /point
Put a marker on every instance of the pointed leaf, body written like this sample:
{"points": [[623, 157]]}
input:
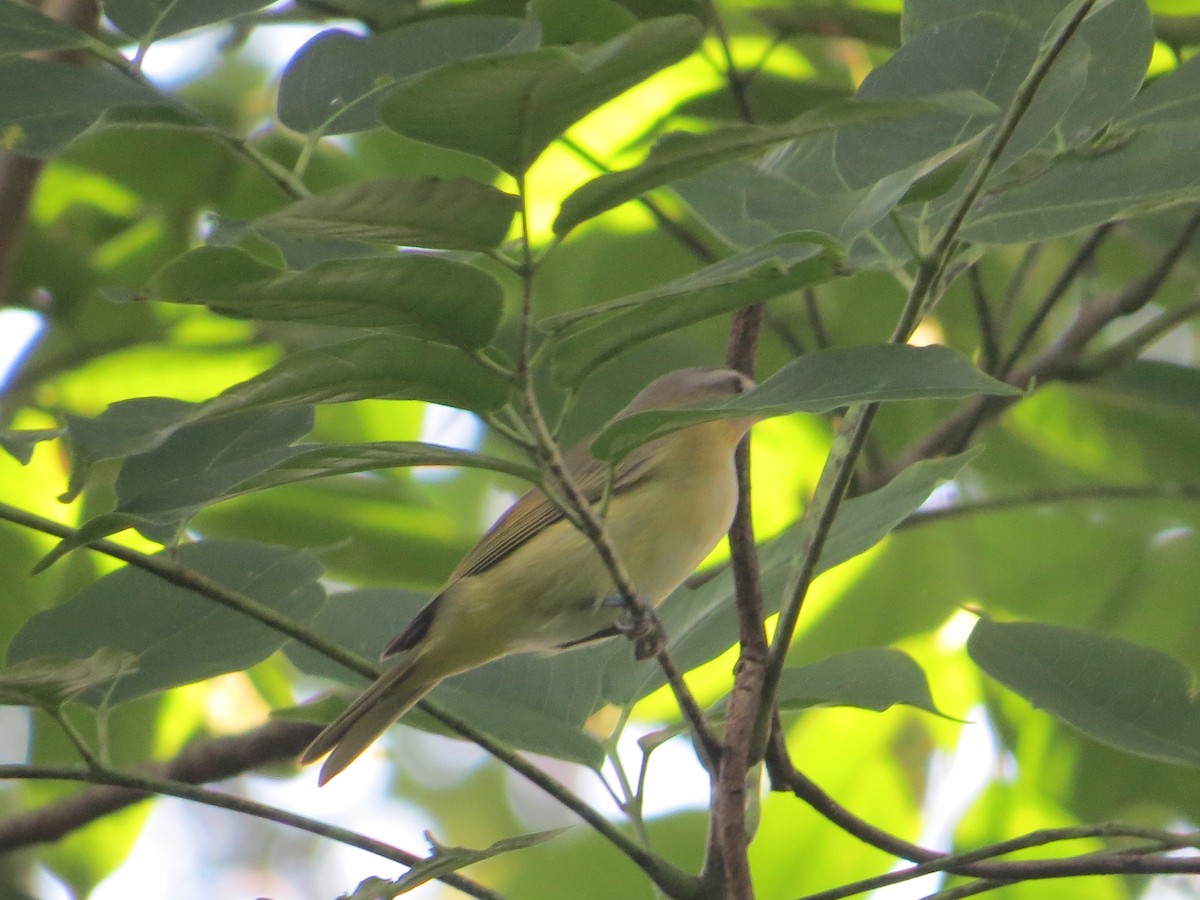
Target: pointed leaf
{"points": [[1120, 693], [124, 428], [178, 636], [819, 382], [749, 278], [382, 367], [680, 155], [458, 303], [508, 109], [876, 678], [460, 214], [19, 444]]}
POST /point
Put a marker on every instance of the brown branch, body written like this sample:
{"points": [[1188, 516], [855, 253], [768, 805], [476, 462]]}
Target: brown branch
{"points": [[199, 763], [729, 789]]}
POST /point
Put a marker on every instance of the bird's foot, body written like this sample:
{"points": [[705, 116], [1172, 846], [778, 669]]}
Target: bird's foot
{"points": [[642, 629]]}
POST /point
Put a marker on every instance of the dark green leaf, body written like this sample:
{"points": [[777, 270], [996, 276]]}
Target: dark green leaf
{"points": [[202, 462], [870, 26], [1148, 384], [749, 278], [19, 444], [333, 83], [875, 678], [124, 428], [871, 678], [1124, 175], [816, 383], [1120, 693], [383, 367], [49, 682], [413, 212], [1174, 97], [679, 155], [149, 20], [457, 303], [570, 22], [43, 105], [508, 109], [23, 28], [177, 635]]}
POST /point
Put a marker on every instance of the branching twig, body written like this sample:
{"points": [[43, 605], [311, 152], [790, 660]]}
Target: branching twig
{"points": [[673, 880]]}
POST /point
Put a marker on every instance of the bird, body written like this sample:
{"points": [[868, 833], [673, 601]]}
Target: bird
{"points": [[535, 583]]}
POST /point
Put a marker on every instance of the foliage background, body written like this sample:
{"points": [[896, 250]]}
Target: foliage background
{"points": [[1079, 512]]}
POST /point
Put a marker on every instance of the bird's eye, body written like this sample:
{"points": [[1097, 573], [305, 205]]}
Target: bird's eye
{"points": [[739, 384]]}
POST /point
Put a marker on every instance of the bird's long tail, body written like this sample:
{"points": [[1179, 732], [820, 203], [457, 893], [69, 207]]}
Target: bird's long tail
{"points": [[344, 739]]}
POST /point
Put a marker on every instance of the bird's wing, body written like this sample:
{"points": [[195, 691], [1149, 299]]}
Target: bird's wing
{"points": [[534, 512]]}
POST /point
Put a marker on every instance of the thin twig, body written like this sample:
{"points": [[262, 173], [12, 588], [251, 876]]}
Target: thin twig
{"points": [[671, 879], [149, 785]]}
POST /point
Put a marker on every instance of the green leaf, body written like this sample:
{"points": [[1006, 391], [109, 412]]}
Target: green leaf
{"points": [[817, 383], [1125, 174], [177, 635], [1174, 97], [728, 285], [49, 682], [19, 444], [149, 20], [681, 154], [443, 861], [1119, 693], [461, 214], [876, 678], [334, 82], [314, 461], [23, 28], [1149, 384], [202, 462], [569, 22], [508, 109], [124, 428], [457, 303], [44, 105], [384, 367]]}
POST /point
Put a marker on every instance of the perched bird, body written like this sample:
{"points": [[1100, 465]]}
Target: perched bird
{"points": [[535, 583]]}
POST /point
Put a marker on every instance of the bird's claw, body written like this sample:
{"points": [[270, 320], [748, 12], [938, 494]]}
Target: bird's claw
{"points": [[641, 629]]}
